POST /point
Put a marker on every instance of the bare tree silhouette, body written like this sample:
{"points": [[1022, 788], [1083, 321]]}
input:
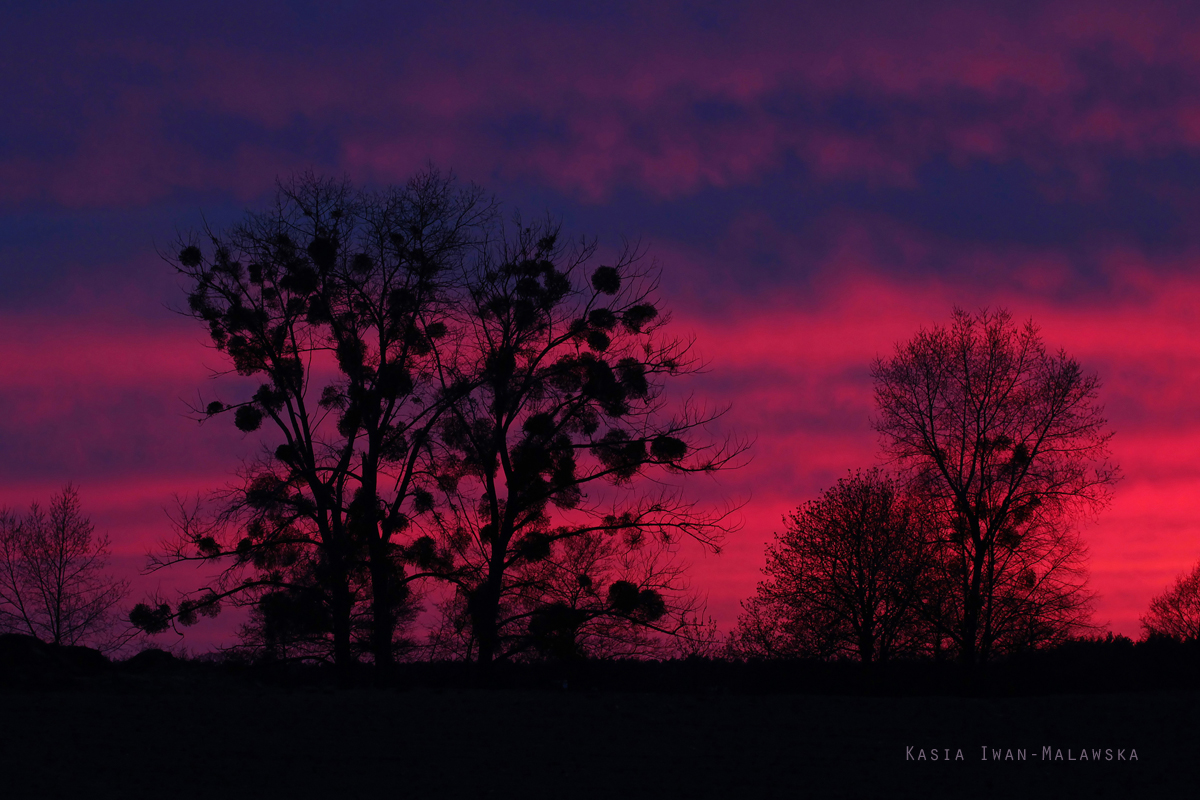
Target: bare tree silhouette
{"points": [[1007, 445], [844, 578], [1176, 612], [335, 298], [558, 541], [418, 357], [54, 582]]}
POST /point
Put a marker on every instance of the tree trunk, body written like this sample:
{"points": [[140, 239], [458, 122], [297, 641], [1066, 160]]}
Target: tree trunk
{"points": [[972, 603], [383, 622], [866, 647], [485, 614], [343, 656], [485, 609]]}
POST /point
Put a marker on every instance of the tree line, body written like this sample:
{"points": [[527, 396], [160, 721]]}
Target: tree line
{"points": [[970, 547], [456, 408]]}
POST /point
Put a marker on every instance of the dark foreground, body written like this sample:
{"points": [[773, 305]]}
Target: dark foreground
{"points": [[74, 724], [237, 740]]}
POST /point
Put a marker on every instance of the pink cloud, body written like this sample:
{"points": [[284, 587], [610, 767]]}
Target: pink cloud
{"points": [[44, 350], [625, 104]]}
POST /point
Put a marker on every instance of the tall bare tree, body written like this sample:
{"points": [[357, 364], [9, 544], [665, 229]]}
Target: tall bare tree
{"points": [[1007, 444], [335, 299], [458, 362], [54, 578], [844, 578], [553, 534], [1176, 612]]}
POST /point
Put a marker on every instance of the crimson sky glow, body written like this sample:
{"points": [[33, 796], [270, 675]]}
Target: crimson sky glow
{"points": [[816, 183]]}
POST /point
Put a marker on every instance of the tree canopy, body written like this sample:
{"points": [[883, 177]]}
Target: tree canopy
{"points": [[54, 581], [1000, 449], [556, 542], [845, 576], [1007, 444], [334, 298], [1176, 612], [447, 398]]}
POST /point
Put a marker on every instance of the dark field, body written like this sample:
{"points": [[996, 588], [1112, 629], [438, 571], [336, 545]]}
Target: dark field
{"points": [[239, 741]]}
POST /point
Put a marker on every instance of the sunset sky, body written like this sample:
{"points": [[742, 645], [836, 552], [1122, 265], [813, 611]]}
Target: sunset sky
{"points": [[816, 180]]}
